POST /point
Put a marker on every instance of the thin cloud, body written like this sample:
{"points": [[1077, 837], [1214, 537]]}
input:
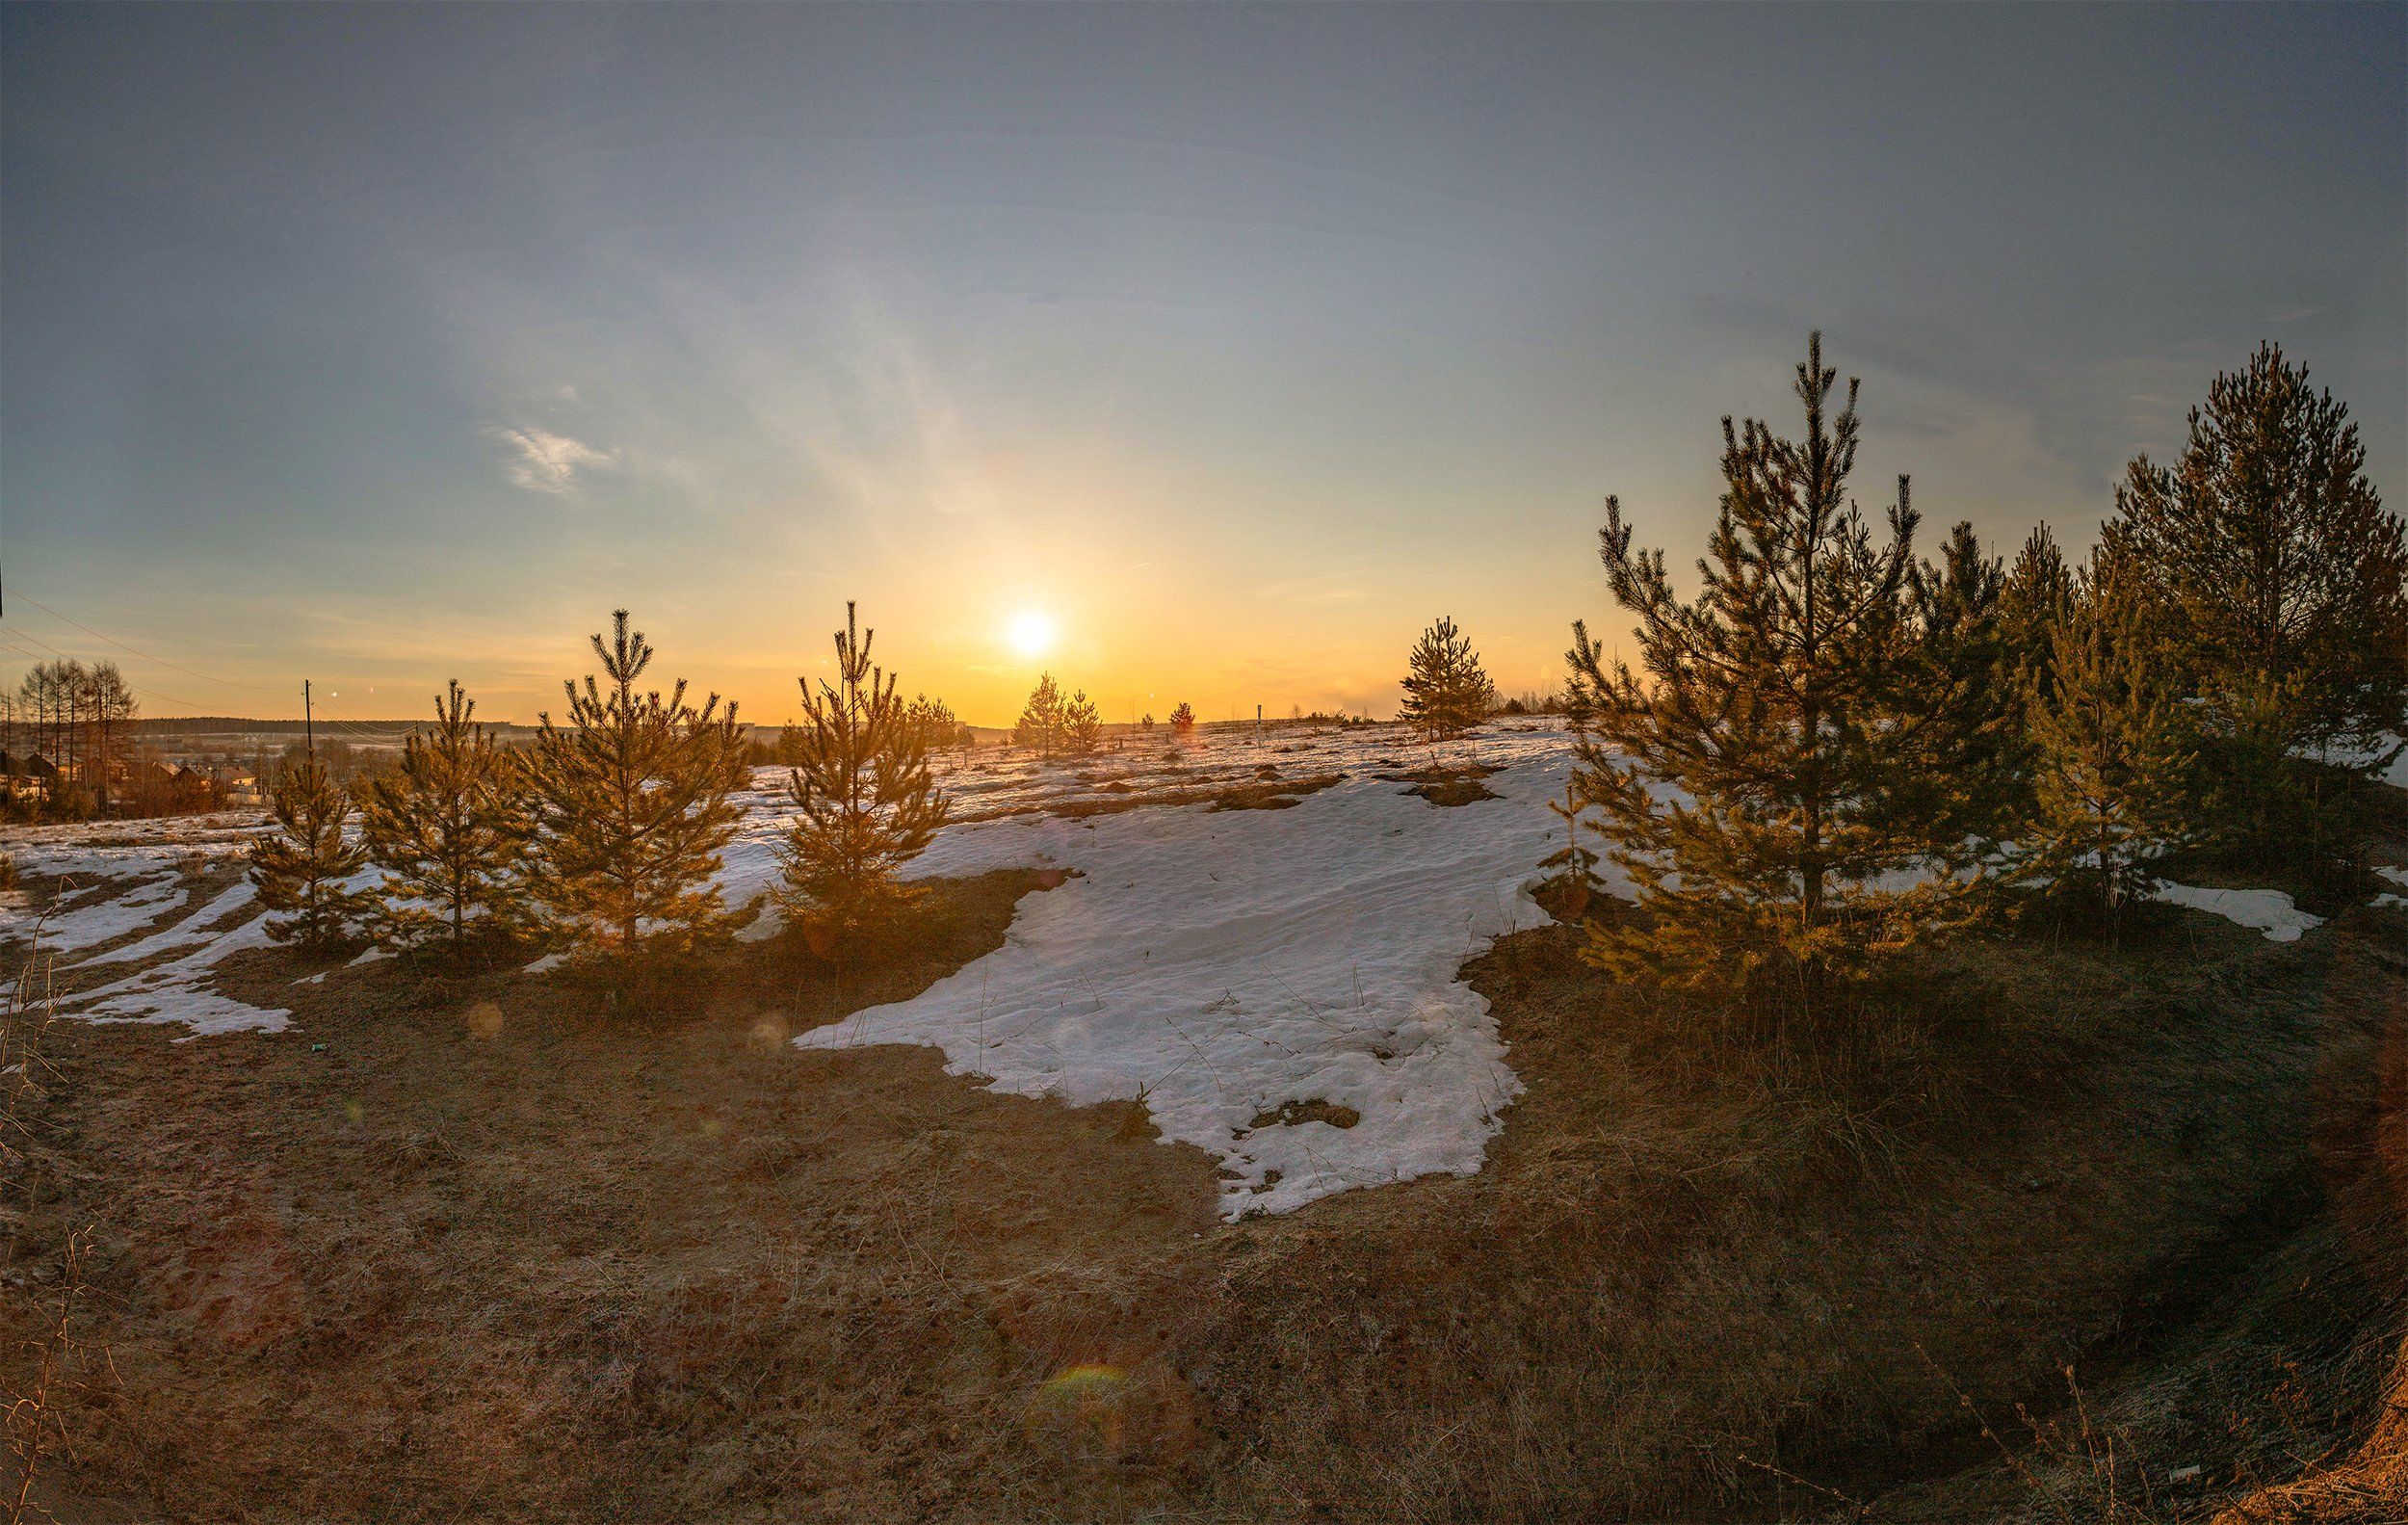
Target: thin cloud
{"points": [[544, 461]]}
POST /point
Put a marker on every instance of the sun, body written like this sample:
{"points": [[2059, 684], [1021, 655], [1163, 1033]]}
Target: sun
{"points": [[1031, 633]]}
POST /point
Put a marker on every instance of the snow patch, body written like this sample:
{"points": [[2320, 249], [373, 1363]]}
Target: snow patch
{"points": [[1224, 965], [2267, 910], [198, 926], [101, 915], [175, 992]]}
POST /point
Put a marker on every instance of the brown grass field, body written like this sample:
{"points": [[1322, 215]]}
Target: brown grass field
{"points": [[483, 1246]]}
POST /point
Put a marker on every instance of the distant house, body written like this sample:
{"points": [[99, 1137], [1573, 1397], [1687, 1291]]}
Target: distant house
{"points": [[28, 775]]}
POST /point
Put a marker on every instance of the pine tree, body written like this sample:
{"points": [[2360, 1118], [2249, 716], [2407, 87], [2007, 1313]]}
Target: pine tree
{"points": [[1446, 691], [1145, 722], [450, 828], [865, 803], [1574, 880], [1082, 727], [1749, 788], [936, 724], [300, 868], [2110, 751], [1962, 761], [2032, 601], [2283, 585], [632, 807], [1183, 719], [1041, 724]]}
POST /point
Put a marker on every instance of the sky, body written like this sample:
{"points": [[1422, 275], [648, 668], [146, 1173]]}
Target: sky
{"points": [[385, 345]]}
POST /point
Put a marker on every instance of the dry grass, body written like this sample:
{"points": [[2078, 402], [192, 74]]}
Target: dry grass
{"points": [[485, 1248], [1679, 1272], [480, 1246]]}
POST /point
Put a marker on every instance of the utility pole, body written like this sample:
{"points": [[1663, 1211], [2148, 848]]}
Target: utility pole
{"points": [[309, 729]]}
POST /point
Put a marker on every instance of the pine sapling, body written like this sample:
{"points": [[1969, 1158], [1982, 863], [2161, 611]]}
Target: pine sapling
{"points": [[1574, 878], [302, 867], [631, 803], [2110, 756], [1040, 727], [1960, 760], [449, 828], [1082, 727], [939, 728], [1752, 787], [1446, 690], [865, 802], [2280, 583]]}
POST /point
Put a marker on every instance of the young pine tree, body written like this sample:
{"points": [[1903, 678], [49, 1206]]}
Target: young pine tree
{"points": [[301, 867], [1963, 765], [2282, 583], [1040, 727], [1446, 691], [1183, 719], [450, 829], [632, 807], [938, 726], [865, 803], [1574, 880], [2110, 753], [2035, 599], [1749, 787], [1082, 727]]}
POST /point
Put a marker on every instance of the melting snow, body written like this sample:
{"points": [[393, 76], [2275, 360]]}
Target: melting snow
{"points": [[1222, 964], [1230, 966], [102, 913], [2267, 910]]}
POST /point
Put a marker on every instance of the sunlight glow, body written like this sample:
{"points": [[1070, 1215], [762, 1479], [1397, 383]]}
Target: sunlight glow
{"points": [[1031, 633]]}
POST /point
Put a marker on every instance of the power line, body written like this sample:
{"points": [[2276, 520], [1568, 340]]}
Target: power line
{"points": [[169, 699], [378, 738], [145, 655]]}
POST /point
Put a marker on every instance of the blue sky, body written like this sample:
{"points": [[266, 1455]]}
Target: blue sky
{"points": [[384, 344]]}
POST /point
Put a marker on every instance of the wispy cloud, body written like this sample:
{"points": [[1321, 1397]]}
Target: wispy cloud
{"points": [[544, 461]]}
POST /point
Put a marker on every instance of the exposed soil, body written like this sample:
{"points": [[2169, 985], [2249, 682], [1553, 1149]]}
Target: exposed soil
{"points": [[1271, 793], [1453, 785]]}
